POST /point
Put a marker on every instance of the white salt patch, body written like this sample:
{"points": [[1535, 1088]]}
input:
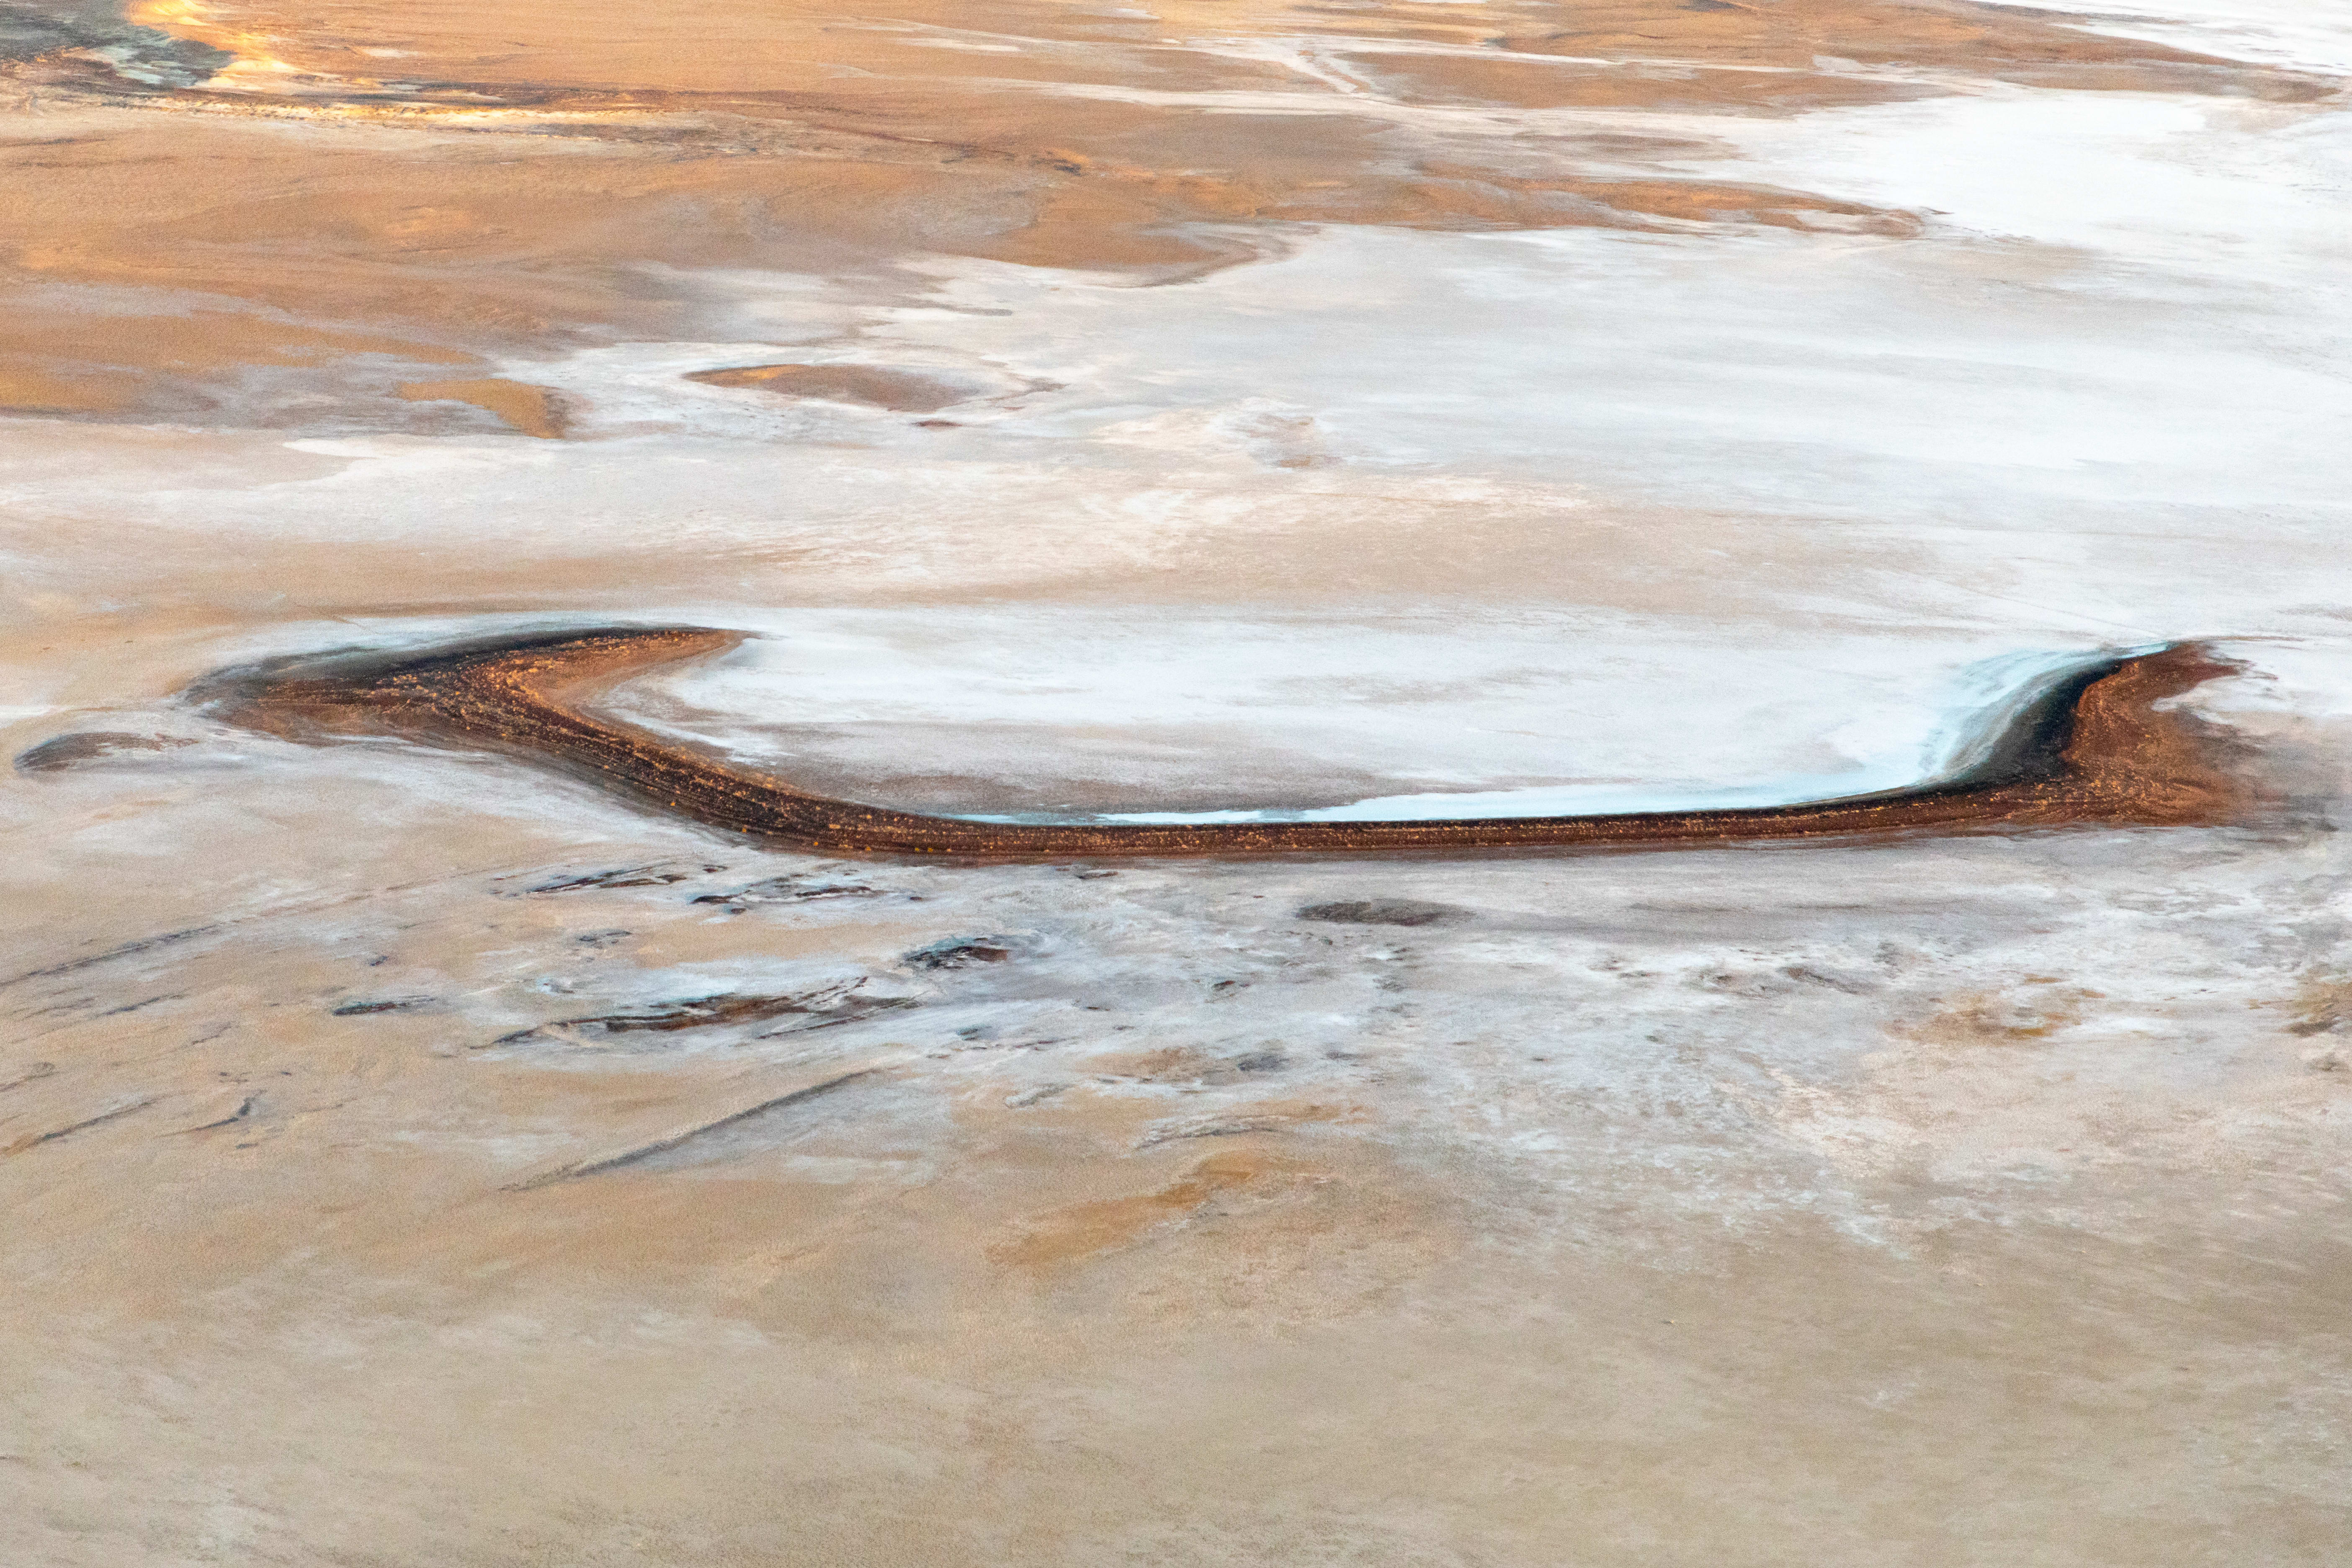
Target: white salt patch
{"points": [[1576, 702]]}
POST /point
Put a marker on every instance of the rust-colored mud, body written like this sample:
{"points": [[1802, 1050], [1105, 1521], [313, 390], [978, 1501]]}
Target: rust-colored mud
{"points": [[2093, 746]]}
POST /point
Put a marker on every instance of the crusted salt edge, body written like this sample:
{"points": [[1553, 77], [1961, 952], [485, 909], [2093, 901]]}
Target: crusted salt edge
{"points": [[1981, 703]]}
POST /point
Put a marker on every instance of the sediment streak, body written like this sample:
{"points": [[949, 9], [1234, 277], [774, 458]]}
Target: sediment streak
{"points": [[2094, 745]]}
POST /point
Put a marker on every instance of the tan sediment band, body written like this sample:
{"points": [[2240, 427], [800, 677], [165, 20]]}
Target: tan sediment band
{"points": [[2091, 746], [904, 392], [533, 410]]}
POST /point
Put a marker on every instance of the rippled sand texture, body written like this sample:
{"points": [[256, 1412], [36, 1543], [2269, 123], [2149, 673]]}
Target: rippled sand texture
{"points": [[1155, 454]]}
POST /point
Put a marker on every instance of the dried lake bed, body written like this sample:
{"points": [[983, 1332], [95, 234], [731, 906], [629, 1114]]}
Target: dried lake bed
{"points": [[1238, 412]]}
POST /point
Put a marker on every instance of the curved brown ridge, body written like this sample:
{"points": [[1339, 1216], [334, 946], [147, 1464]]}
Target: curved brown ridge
{"points": [[2090, 746]]}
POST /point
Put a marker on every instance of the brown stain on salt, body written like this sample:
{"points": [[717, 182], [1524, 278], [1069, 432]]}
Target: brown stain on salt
{"points": [[904, 392], [2035, 1011], [2099, 745], [533, 410]]}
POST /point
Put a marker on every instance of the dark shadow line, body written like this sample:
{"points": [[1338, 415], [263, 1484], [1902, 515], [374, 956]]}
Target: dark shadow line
{"points": [[664, 1145]]}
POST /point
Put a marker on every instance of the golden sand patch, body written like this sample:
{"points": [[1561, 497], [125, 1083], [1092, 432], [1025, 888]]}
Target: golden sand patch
{"points": [[194, 341], [29, 389], [1080, 1230], [533, 410]]}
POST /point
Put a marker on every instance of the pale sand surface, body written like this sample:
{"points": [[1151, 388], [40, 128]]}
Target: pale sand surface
{"points": [[1178, 408]]}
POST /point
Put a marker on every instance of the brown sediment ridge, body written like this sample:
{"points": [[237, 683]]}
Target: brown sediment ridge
{"points": [[2096, 745]]}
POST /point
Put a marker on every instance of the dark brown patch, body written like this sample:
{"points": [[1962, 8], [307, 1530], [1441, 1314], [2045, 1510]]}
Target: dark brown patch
{"points": [[62, 752], [1382, 912], [2095, 745], [808, 1010]]}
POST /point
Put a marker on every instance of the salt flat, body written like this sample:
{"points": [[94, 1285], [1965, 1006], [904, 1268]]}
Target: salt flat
{"points": [[414, 1155]]}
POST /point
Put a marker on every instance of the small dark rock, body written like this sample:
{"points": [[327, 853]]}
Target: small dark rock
{"points": [[1383, 912], [785, 891], [1261, 1061], [396, 1005], [61, 751], [823, 1006], [1806, 974], [962, 951], [627, 877]]}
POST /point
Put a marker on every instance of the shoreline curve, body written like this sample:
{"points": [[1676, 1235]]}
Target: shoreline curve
{"points": [[2087, 746]]}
